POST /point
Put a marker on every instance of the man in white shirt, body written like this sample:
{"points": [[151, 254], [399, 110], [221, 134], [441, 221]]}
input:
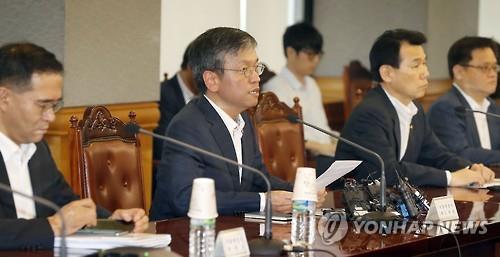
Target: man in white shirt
{"points": [[30, 94], [303, 49], [390, 123], [472, 65], [226, 68]]}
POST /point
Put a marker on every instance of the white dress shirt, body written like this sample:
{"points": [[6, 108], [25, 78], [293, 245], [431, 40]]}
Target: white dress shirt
{"points": [[186, 92], [286, 86], [16, 158], [235, 128], [405, 115], [480, 119]]}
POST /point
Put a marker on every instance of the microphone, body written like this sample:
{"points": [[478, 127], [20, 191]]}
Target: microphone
{"points": [[460, 110], [377, 215], [46, 203], [267, 245]]}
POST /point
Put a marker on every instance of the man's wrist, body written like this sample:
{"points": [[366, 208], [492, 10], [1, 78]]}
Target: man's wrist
{"points": [[55, 224]]}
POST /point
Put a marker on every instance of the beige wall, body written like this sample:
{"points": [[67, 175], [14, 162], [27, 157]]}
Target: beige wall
{"points": [[350, 27], [40, 22], [111, 51]]}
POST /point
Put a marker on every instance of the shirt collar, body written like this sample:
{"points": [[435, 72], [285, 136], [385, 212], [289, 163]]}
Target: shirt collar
{"points": [[294, 82], [186, 92], [9, 148], [230, 123], [405, 112], [472, 103]]}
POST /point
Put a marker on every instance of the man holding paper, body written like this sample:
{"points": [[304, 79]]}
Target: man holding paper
{"points": [[30, 94]]}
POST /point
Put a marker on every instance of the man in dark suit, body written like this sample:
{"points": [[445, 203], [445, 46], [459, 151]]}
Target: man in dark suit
{"points": [[472, 64], [390, 123], [226, 69], [30, 94]]}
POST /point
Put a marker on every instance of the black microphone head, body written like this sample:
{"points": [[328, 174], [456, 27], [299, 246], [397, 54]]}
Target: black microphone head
{"points": [[132, 128], [292, 118]]}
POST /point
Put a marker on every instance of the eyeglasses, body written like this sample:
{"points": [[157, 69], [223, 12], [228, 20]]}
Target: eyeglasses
{"points": [[247, 71], [484, 68], [55, 106], [311, 54]]}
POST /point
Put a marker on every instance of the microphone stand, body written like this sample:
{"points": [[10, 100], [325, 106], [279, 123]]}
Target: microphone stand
{"points": [[47, 203], [261, 246], [382, 214], [461, 110]]}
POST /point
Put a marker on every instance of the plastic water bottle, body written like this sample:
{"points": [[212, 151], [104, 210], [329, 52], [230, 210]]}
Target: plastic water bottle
{"points": [[303, 222], [201, 237]]}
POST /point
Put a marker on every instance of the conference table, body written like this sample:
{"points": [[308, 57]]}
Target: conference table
{"points": [[472, 204]]}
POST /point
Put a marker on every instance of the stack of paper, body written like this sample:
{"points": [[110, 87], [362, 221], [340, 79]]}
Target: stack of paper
{"points": [[108, 242], [334, 172]]}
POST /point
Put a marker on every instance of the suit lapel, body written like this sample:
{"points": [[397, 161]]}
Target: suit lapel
{"points": [[470, 122], [394, 116], [492, 125], [246, 143], [6, 199], [36, 176], [222, 137]]}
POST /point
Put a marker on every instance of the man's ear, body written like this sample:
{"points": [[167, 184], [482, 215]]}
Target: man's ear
{"points": [[290, 51], [386, 72], [4, 97], [211, 80], [458, 72]]}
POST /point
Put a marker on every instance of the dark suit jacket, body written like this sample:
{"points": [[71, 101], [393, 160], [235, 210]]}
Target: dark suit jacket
{"points": [[459, 131], [171, 102], [200, 125], [47, 182], [374, 124]]}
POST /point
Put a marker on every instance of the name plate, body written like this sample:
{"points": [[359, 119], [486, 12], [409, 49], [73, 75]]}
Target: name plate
{"points": [[232, 242], [442, 209]]}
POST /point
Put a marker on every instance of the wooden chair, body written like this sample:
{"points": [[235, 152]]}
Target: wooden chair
{"points": [[105, 160], [357, 81], [281, 142]]}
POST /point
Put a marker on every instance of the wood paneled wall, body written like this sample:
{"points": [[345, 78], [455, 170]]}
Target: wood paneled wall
{"points": [[147, 117]]}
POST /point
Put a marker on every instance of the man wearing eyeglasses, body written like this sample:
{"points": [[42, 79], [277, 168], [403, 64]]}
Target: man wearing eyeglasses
{"points": [[472, 64], [30, 94], [303, 46], [226, 69]]}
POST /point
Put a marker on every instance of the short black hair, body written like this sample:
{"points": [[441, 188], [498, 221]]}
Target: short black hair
{"points": [[461, 51], [185, 58], [385, 49], [19, 61], [208, 50], [303, 36]]}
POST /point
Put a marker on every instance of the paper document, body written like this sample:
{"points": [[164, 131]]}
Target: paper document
{"points": [[334, 172], [108, 242]]}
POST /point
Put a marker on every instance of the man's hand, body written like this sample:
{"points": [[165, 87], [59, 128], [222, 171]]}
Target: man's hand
{"points": [[487, 173], [281, 201], [136, 215], [77, 214], [466, 177], [321, 198]]}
